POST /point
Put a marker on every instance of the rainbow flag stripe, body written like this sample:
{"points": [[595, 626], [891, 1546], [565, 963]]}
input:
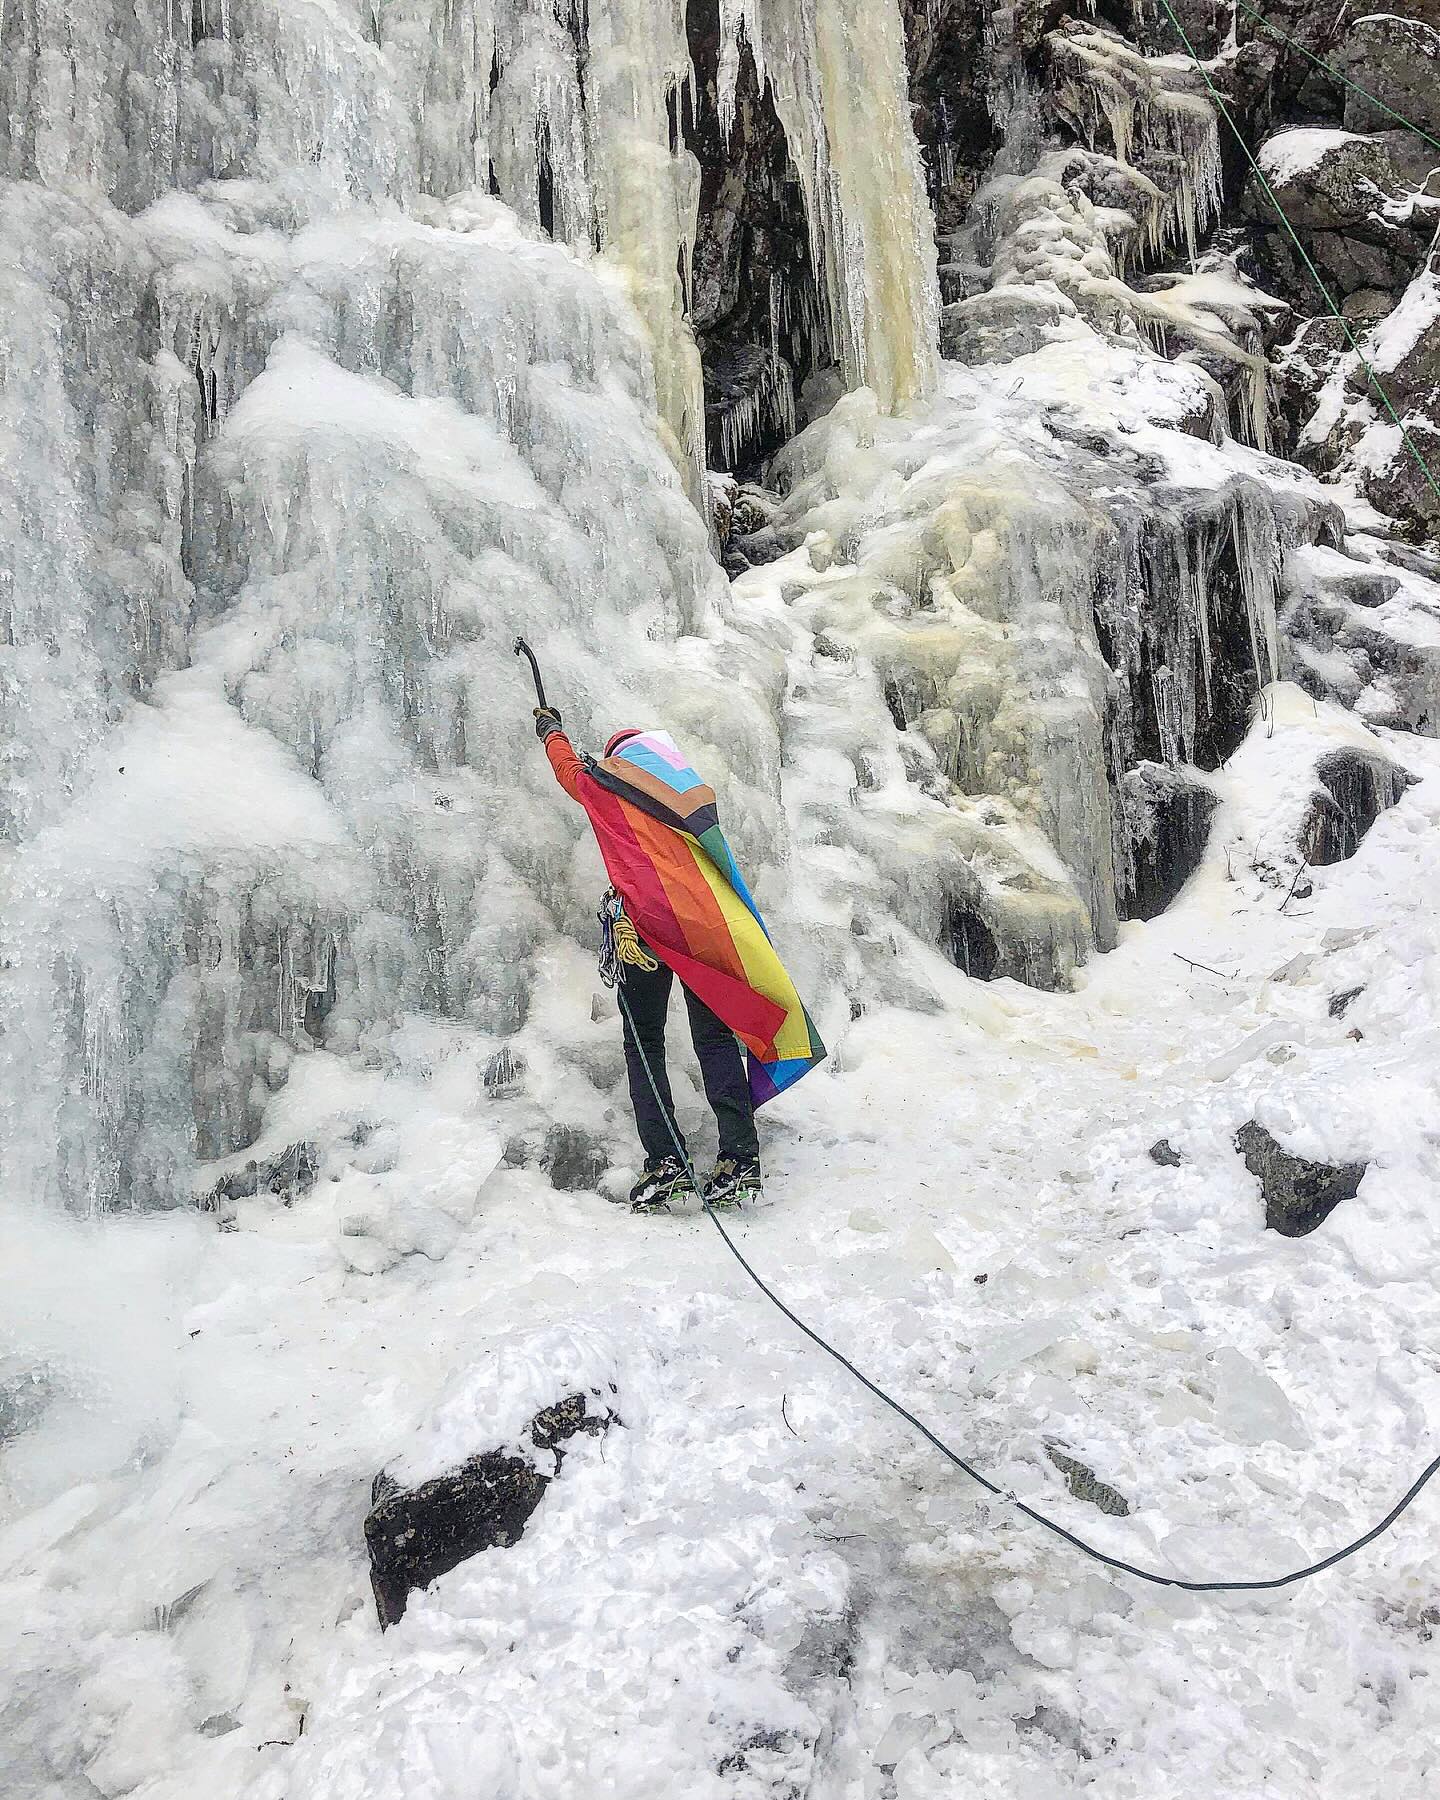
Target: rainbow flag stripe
{"points": [[660, 836]]}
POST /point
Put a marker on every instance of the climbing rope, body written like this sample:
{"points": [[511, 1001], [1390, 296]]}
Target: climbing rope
{"points": [[1077, 1543], [1315, 274], [953, 1456], [1335, 74]]}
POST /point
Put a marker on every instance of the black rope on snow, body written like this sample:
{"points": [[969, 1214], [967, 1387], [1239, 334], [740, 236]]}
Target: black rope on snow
{"points": [[1110, 1562], [1077, 1543]]}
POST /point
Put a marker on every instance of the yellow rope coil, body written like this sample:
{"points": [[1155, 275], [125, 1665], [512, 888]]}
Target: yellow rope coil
{"points": [[628, 948]]}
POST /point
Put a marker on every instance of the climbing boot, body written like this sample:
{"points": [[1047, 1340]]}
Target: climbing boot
{"points": [[736, 1182], [661, 1183]]}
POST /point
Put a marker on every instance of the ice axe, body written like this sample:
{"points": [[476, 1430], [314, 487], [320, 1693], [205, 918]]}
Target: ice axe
{"points": [[523, 649]]}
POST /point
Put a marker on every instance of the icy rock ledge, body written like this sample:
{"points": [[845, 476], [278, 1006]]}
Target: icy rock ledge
{"points": [[417, 1534], [1358, 788], [1299, 1194]]}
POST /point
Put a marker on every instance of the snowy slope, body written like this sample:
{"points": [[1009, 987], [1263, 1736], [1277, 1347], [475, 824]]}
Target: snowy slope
{"points": [[724, 1597], [340, 342]]}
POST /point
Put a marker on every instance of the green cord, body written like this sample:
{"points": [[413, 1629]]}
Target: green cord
{"points": [[1344, 80], [1316, 276]]}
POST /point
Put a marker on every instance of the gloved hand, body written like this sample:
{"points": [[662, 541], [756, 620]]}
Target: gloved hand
{"points": [[547, 719]]}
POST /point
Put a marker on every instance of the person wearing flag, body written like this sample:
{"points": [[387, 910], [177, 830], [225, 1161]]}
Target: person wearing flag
{"points": [[678, 906]]}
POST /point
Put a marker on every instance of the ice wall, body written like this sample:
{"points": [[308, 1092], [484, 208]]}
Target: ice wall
{"points": [[343, 342], [841, 87], [1002, 608], [292, 449]]}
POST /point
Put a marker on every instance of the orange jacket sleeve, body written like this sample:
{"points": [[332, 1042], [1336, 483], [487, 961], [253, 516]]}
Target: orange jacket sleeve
{"points": [[569, 770]]}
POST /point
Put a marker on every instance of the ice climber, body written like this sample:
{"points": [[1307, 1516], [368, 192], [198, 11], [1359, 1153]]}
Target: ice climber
{"points": [[678, 905]]}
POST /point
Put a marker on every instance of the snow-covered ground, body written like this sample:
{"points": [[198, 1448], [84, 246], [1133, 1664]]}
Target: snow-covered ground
{"points": [[762, 1583]]}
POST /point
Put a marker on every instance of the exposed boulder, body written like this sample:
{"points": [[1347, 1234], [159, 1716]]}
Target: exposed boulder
{"points": [[1326, 180], [573, 1159], [1357, 632], [1398, 62], [1163, 1152], [1359, 787], [1166, 814], [1299, 1194], [414, 1535], [1340, 191], [287, 1174]]}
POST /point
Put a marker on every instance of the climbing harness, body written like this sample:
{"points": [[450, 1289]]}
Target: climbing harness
{"points": [[1335, 75], [1315, 274], [619, 941], [968, 1468]]}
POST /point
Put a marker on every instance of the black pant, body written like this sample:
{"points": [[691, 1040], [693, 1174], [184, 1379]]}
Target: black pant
{"points": [[722, 1067]]}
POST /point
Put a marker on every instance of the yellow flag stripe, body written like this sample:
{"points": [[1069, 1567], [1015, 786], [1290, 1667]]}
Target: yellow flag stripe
{"points": [[763, 968]]}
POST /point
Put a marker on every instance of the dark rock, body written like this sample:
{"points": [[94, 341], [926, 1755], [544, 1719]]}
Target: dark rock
{"points": [[970, 943], [1164, 1152], [1340, 1003], [1398, 61], [504, 1074], [1298, 375], [1341, 187], [1366, 307], [1360, 787], [1338, 204], [573, 1160], [320, 1002], [1299, 1195], [952, 97], [1412, 382], [415, 1535], [754, 299], [289, 1173], [1366, 587], [1165, 814], [1086, 1485]]}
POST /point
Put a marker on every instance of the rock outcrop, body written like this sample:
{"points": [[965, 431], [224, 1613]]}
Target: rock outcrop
{"points": [[1085, 1484], [414, 1535], [1358, 788], [1299, 1194]]}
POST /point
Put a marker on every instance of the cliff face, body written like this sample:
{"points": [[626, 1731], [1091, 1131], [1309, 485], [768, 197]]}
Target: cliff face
{"points": [[987, 84], [345, 343], [918, 409]]}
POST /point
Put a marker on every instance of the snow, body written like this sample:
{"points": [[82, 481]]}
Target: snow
{"points": [[1397, 335], [306, 414], [1288, 155], [693, 1584]]}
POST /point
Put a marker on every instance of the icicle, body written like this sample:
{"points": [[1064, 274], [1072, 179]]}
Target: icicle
{"points": [[839, 77]]}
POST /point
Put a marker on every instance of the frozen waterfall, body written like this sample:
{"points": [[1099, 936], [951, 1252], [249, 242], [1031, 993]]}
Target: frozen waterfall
{"points": [[344, 341], [879, 395]]}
